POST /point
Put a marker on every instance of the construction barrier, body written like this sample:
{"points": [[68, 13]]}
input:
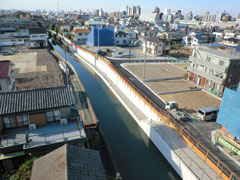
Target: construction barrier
{"points": [[167, 118]]}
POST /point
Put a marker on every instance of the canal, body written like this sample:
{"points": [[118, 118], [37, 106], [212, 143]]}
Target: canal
{"points": [[135, 155]]}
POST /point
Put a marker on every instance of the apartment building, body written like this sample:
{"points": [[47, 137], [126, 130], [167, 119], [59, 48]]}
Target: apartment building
{"points": [[214, 68]]}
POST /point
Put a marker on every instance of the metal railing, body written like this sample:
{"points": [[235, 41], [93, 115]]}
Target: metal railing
{"points": [[11, 140], [48, 138]]}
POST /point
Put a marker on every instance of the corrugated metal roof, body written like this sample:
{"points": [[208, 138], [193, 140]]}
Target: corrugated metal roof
{"points": [[4, 68], [36, 99]]}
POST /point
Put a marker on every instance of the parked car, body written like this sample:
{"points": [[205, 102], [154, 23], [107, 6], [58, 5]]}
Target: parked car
{"points": [[101, 52], [207, 113]]}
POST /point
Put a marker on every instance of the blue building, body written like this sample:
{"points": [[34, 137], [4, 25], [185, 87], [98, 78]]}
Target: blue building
{"points": [[229, 114], [106, 37]]}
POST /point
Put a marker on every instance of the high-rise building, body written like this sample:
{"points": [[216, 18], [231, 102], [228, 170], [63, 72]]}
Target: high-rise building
{"points": [[166, 11], [213, 17], [134, 11]]}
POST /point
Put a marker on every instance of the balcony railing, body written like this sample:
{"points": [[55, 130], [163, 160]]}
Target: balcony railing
{"points": [[208, 64], [206, 75]]}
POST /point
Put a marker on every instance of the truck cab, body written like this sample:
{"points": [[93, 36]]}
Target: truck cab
{"points": [[171, 105]]}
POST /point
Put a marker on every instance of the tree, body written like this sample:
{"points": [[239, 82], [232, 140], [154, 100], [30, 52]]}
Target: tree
{"points": [[24, 171], [52, 26], [68, 36], [56, 29]]}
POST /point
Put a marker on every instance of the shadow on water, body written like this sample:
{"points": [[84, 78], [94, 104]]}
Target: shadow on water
{"points": [[135, 155]]}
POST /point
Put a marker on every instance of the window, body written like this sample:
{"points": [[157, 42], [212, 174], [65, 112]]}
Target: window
{"points": [[200, 112], [221, 63], [8, 80], [208, 59]]}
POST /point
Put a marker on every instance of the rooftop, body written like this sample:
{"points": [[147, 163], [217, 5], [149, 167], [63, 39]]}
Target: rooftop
{"points": [[81, 31], [69, 163], [36, 99], [50, 134], [37, 30], [225, 52]]}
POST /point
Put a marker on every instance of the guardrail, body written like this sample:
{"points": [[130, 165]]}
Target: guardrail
{"points": [[201, 149]]}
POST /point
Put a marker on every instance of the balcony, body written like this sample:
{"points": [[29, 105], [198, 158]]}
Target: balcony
{"points": [[206, 75], [208, 64], [24, 139]]}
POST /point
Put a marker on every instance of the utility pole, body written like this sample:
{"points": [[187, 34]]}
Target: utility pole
{"points": [[130, 46], [144, 69], [98, 37]]}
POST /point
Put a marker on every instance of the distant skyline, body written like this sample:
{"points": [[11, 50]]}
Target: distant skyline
{"points": [[197, 7]]}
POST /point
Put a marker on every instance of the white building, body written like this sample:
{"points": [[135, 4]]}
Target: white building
{"points": [[122, 39], [80, 35], [7, 80], [155, 46], [38, 38]]}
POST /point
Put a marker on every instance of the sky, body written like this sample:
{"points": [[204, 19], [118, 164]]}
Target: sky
{"points": [[197, 6]]}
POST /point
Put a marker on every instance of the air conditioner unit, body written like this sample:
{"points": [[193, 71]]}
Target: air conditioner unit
{"points": [[63, 121], [32, 126]]}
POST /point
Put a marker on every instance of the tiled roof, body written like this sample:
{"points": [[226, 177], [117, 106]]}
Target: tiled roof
{"points": [[36, 99], [4, 68], [69, 163]]}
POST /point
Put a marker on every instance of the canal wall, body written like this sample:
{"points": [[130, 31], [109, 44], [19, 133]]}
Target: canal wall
{"points": [[153, 113], [175, 161]]}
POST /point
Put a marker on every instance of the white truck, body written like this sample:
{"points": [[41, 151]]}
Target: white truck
{"points": [[172, 108]]}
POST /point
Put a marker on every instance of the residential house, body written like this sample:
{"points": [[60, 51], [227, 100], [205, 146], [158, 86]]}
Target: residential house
{"points": [[175, 36], [155, 46], [214, 68], [193, 39], [65, 29], [122, 39], [38, 38], [80, 35], [38, 120], [7, 79], [69, 163]]}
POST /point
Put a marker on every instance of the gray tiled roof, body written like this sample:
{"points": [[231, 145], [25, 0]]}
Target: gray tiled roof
{"points": [[69, 163], [36, 99]]}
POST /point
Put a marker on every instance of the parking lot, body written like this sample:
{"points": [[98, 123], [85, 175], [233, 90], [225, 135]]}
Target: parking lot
{"points": [[171, 90]]}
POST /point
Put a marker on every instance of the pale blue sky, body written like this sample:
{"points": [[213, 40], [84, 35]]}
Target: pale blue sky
{"points": [[197, 6]]}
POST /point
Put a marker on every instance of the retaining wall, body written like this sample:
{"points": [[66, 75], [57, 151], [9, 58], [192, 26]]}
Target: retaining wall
{"points": [[152, 111]]}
